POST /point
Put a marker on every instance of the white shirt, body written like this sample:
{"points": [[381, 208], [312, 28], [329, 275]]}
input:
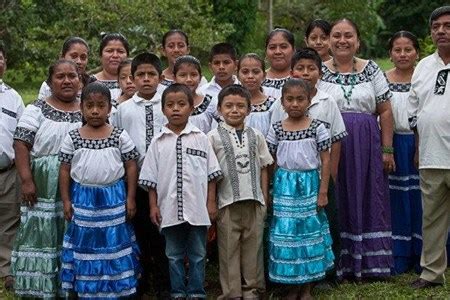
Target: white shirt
{"points": [[399, 104], [241, 163], [44, 91], [179, 168], [97, 162], [260, 115], [431, 113], [44, 127], [272, 86], [212, 88], [324, 108], [11, 109], [299, 150], [142, 119], [205, 115]]}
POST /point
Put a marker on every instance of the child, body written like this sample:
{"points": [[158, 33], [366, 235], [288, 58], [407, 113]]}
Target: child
{"points": [[242, 196], [99, 256], [222, 62], [300, 242], [125, 79], [187, 70], [142, 118], [251, 74], [280, 46], [180, 169], [317, 36], [11, 109]]}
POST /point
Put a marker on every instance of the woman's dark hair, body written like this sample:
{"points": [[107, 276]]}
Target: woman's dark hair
{"points": [[172, 32], [53, 66], [318, 23], [95, 88], [405, 34], [177, 88], [296, 82], [72, 41], [187, 59], [255, 57], [286, 34], [352, 24], [107, 37]]}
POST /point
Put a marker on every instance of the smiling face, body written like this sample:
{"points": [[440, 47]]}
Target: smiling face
{"points": [[177, 109], [234, 109], [319, 41], [440, 33], [189, 75], [344, 39], [112, 55], [403, 53], [251, 74], [78, 53], [174, 47], [279, 52], [295, 102], [65, 82], [146, 79], [95, 109]]}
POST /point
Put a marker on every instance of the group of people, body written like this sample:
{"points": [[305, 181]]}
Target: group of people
{"points": [[319, 164]]}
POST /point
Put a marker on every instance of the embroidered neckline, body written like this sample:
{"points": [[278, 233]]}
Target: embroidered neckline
{"points": [[203, 106], [265, 106]]}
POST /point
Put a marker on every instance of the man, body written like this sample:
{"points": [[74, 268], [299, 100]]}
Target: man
{"points": [[429, 116], [11, 108]]}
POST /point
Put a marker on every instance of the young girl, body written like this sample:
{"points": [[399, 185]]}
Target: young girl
{"points": [[280, 46], [126, 84], [187, 70], [317, 36], [300, 242], [75, 49], [100, 255], [251, 75], [114, 48]]}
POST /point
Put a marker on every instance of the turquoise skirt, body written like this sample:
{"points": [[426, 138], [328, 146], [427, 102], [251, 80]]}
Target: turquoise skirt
{"points": [[300, 242]]}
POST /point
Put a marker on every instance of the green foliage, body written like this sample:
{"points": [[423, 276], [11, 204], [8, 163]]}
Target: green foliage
{"points": [[427, 46], [34, 30]]}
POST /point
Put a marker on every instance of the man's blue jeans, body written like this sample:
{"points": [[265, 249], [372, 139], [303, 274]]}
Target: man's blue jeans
{"points": [[186, 240]]}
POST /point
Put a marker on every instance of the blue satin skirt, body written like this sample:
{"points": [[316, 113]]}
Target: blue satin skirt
{"points": [[100, 254], [300, 241]]}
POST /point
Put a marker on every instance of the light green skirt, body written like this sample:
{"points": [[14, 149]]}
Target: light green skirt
{"points": [[35, 260]]}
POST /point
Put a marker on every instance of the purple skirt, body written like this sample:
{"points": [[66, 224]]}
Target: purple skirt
{"points": [[363, 201]]}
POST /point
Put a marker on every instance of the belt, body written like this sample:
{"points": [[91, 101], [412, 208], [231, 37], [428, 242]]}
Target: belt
{"points": [[7, 168]]}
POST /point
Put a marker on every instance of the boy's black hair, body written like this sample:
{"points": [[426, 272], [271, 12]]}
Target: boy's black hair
{"points": [[255, 57], [235, 89], [307, 53], [325, 26], [296, 82], [52, 67], [177, 88], [107, 37], [172, 32], [405, 34], [187, 59], [146, 58], [439, 12], [95, 88], [222, 48], [285, 33]]}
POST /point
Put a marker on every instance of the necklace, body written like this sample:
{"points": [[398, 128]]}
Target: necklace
{"points": [[352, 80]]}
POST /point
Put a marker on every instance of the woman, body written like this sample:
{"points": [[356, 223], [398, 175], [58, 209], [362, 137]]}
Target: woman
{"points": [[35, 260], [114, 48], [362, 93], [317, 36]]}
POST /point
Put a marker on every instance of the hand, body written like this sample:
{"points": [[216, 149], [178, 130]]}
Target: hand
{"points": [[416, 159], [322, 200], [212, 210], [68, 210], [29, 193], [131, 208], [388, 162], [155, 215]]}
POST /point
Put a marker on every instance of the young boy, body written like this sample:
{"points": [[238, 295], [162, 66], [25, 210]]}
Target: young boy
{"points": [[242, 196], [11, 108], [142, 118], [180, 169], [307, 64], [223, 64]]}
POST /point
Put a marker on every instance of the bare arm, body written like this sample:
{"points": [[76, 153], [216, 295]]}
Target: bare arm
{"points": [[335, 155], [386, 122], [322, 200], [265, 184], [22, 159], [212, 201], [131, 171], [64, 188], [155, 214]]}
